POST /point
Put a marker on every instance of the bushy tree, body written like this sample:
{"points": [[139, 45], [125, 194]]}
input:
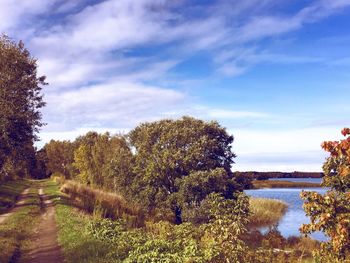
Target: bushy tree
{"points": [[59, 158], [172, 156], [20, 104], [103, 160], [330, 212], [226, 227]]}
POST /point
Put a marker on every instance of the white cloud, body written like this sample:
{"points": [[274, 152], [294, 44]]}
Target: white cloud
{"points": [[73, 134], [14, 13], [295, 149], [114, 105], [230, 114]]}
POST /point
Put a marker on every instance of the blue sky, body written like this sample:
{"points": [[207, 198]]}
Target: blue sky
{"points": [[276, 74]]}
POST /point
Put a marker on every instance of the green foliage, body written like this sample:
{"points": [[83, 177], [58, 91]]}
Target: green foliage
{"points": [[103, 160], [166, 166], [106, 230], [91, 239], [217, 241], [330, 212], [168, 151], [58, 157], [230, 218], [94, 159], [20, 102]]}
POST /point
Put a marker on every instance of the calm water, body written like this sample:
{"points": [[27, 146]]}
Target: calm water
{"points": [[295, 216]]}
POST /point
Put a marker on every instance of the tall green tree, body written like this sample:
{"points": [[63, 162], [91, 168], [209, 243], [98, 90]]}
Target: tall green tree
{"points": [[173, 157], [20, 104]]}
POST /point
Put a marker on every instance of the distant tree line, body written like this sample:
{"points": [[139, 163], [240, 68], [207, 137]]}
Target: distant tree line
{"points": [[266, 175]]}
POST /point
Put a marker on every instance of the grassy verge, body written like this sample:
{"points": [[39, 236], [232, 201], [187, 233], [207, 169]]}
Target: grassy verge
{"points": [[266, 212], [9, 191], [257, 184], [15, 232], [78, 245]]}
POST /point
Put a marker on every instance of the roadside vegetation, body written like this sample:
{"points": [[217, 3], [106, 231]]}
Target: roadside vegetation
{"points": [[258, 184]]}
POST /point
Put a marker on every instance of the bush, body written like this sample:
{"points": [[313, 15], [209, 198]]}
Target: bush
{"points": [[330, 212]]}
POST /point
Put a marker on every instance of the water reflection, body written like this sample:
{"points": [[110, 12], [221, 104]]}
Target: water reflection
{"points": [[272, 238], [295, 215]]}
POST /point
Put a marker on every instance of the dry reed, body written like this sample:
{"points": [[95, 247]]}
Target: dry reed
{"points": [[106, 204], [265, 212]]}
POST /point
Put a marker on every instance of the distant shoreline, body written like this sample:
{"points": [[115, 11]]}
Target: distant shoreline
{"points": [[259, 184], [267, 175]]}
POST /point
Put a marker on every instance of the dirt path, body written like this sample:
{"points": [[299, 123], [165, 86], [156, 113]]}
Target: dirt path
{"points": [[19, 203], [45, 248]]}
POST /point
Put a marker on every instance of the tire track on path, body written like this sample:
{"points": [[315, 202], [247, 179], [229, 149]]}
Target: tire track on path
{"points": [[45, 248], [21, 202]]}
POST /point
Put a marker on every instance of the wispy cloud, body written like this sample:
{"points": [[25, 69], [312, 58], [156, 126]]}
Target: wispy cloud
{"points": [[288, 150], [113, 105]]}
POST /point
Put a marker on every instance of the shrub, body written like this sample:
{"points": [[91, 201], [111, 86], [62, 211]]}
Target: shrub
{"points": [[330, 212]]}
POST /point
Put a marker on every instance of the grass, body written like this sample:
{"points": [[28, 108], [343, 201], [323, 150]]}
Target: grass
{"points": [[266, 212], [257, 184], [108, 205], [16, 231], [9, 191]]}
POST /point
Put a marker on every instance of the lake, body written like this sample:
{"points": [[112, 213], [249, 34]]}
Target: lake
{"points": [[295, 216]]}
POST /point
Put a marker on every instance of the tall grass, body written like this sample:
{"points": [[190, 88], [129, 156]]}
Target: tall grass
{"points": [[265, 212], [104, 204]]}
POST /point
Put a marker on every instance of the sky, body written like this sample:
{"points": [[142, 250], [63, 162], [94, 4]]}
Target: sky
{"points": [[275, 73]]}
